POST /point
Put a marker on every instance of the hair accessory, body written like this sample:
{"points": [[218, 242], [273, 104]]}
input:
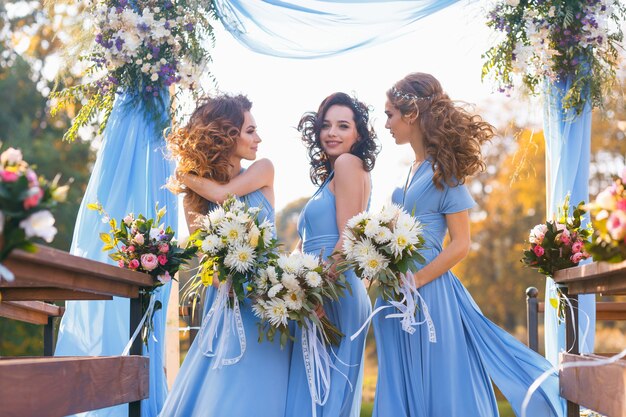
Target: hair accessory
{"points": [[407, 96]]}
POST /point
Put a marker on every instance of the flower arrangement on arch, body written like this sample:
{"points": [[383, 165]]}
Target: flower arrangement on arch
{"points": [[294, 287], [558, 244], [608, 218], [25, 203], [143, 46], [556, 40], [142, 244]]}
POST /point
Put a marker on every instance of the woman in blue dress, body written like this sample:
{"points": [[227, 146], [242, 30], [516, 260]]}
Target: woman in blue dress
{"points": [[220, 134], [342, 150], [451, 377]]}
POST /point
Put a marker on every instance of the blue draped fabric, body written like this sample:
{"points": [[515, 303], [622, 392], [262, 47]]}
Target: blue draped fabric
{"points": [[568, 150], [317, 28], [128, 176]]}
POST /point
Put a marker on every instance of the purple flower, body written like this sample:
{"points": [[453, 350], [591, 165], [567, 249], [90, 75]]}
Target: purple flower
{"points": [[143, 27], [118, 43], [189, 27], [99, 38]]}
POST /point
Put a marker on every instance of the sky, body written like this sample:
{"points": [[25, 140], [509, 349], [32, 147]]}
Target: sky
{"points": [[447, 45]]}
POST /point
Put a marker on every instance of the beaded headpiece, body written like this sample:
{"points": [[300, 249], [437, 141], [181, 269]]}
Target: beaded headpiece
{"points": [[407, 96]]}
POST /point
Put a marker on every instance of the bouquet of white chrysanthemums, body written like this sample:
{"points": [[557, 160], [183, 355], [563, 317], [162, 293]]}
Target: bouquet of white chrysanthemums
{"points": [[234, 244], [293, 287], [383, 246]]}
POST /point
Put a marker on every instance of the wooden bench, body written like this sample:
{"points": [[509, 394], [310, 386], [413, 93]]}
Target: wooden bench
{"points": [[80, 383]]}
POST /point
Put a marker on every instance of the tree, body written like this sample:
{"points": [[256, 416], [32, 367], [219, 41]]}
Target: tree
{"points": [[287, 223]]}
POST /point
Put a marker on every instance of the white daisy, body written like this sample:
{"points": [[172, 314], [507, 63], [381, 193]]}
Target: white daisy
{"points": [[216, 216], [310, 261], [211, 244], [274, 290], [261, 281], [294, 299], [290, 281], [313, 279], [276, 311], [372, 264], [259, 309], [272, 275], [383, 235], [389, 213], [354, 221], [233, 231], [371, 228], [290, 263], [240, 258]]}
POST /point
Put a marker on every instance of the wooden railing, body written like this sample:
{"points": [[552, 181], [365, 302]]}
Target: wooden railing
{"points": [[80, 383], [599, 388]]}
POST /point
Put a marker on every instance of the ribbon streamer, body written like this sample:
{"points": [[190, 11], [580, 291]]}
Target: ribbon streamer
{"points": [[148, 313], [408, 307], [317, 364], [6, 273], [220, 312]]}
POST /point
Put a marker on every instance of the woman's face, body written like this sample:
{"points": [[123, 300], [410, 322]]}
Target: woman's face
{"points": [[398, 126], [248, 141], [338, 132]]}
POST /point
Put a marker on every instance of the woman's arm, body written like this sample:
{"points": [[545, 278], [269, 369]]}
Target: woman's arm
{"points": [[453, 253], [259, 175], [351, 191]]}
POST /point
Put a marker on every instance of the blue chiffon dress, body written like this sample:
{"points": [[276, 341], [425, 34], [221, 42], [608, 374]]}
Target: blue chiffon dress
{"points": [[317, 227], [128, 177], [254, 386], [451, 377]]}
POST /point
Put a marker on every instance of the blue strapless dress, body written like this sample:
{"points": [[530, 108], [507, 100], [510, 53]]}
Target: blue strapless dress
{"points": [[254, 386], [317, 227], [451, 378]]}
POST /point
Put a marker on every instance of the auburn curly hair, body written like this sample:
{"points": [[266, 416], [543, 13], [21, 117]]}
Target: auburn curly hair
{"points": [[452, 135], [310, 126], [204, 145]]}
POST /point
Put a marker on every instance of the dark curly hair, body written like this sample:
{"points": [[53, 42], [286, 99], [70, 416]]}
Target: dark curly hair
{"points": [[204, 145], [452, 135], [310, 126]]}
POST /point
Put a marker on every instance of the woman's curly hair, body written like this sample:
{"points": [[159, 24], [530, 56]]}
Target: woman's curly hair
{"points": [[204, 145], [452, 135], [310, 126]]}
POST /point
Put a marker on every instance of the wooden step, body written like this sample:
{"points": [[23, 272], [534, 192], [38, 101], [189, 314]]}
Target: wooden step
{"points": [[605, 310], [34, 312], [62, 386], [599, 388]]}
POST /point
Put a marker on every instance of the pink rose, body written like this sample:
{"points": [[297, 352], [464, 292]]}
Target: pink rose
{"points": [[165, 278], [149, 261], [134, 264], [616, 225], [164, 248], [128, 220], [577, 257], [162, 259], [8, 176], [565, 238], [577, 246], [539, 251], [34, 197], [120, 263], [139, 239], [131, 248]]}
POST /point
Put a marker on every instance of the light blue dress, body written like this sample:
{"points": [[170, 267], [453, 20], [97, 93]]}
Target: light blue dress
{"points": [[128, 177], [317, 227], [451, 378], [254, 386]]}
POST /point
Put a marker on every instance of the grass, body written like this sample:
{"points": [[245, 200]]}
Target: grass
{"points": [[503, 406]]}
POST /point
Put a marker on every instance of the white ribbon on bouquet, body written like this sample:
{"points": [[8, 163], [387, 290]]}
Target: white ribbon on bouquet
{"points": [[220, 312], [408, 308], [147, 314], [317, 364]]}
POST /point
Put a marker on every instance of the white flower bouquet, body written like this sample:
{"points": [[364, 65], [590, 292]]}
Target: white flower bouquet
{"points": [[293, 287], [382, 248], [234, 245]]}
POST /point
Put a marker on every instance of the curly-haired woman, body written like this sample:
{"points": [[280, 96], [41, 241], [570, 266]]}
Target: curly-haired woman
{"points": [[342, 150], [449, 377], [209, 150]]}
